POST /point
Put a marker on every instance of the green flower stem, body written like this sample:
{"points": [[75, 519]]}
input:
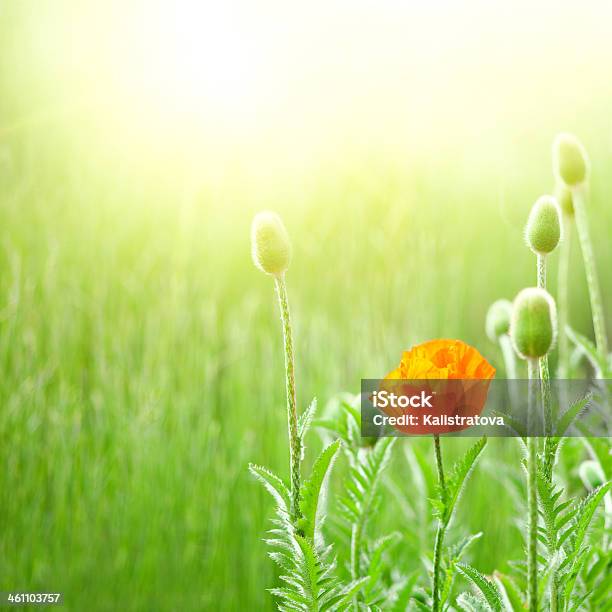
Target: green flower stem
{"points": [[294, 440], [441, 528], [554, 597], [563, 296], [550, 444], [588, 257], [542, 271], [532, 500], [543, 361]]}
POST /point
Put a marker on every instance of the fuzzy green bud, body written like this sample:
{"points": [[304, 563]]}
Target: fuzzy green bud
{"points": [[270, 245], [498, 319], [564, 197], [591, 474], [543, 230], [533, 326], [570, 161]]}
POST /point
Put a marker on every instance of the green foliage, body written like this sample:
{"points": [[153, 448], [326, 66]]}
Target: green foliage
{"points": [[308, 566], [310, 492], [455, 482], [305, 420], [571, 414], [488, 589], [453, 555], [274, 485], [471, 603], [366, 557], [565, 526]]}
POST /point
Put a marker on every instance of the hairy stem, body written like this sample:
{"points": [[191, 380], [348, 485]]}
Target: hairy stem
{"points": [[554, 597], [532, 500], [441, 527], [543, 361], [550, 444], [588, 257], [541, 271], [437, 562], [292, 419], [563, 296]]}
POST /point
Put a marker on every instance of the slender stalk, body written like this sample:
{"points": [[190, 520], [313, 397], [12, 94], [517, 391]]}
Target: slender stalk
{"points": [[543, 361], [588, 257], [292, 419], [532, 500], [542, 271], [563, 296], [554, 597], [440, 466], [437, 562], [550, 444], [441, 527]]}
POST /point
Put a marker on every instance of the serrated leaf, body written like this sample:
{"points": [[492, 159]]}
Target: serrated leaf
{"points": [[289, 595], [344, 596], [457, 479], [584, 514], [310, 492], [273, 484], [469, 602], [570, 415], [488, 589], [305, 419]]}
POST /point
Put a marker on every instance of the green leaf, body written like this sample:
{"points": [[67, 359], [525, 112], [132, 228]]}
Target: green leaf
{"points": [[454, 554], [273, 484], [579, 526], [548, 495], [289, 595], [305, 419], [571, 414], [310, 568], [344, 596], [488, 589], [456, 481], [311, 489], [374, 590], [359, 501], [470, 603]]}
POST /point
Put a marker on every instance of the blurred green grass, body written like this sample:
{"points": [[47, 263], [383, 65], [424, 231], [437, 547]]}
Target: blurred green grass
{"points": [[141, 362]]}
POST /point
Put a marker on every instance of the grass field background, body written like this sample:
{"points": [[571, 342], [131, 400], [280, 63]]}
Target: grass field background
{"points": [[140, 351]]}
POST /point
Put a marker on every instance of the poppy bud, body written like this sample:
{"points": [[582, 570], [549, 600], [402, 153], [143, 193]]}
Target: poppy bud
{"points": [[591, 474], [564, 197], [533, 326], [498, 319], [543, 230], [570, 162], [270, 245]]}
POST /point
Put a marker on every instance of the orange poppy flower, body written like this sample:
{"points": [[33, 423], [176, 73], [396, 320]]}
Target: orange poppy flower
{"points": [[455, 373]]}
